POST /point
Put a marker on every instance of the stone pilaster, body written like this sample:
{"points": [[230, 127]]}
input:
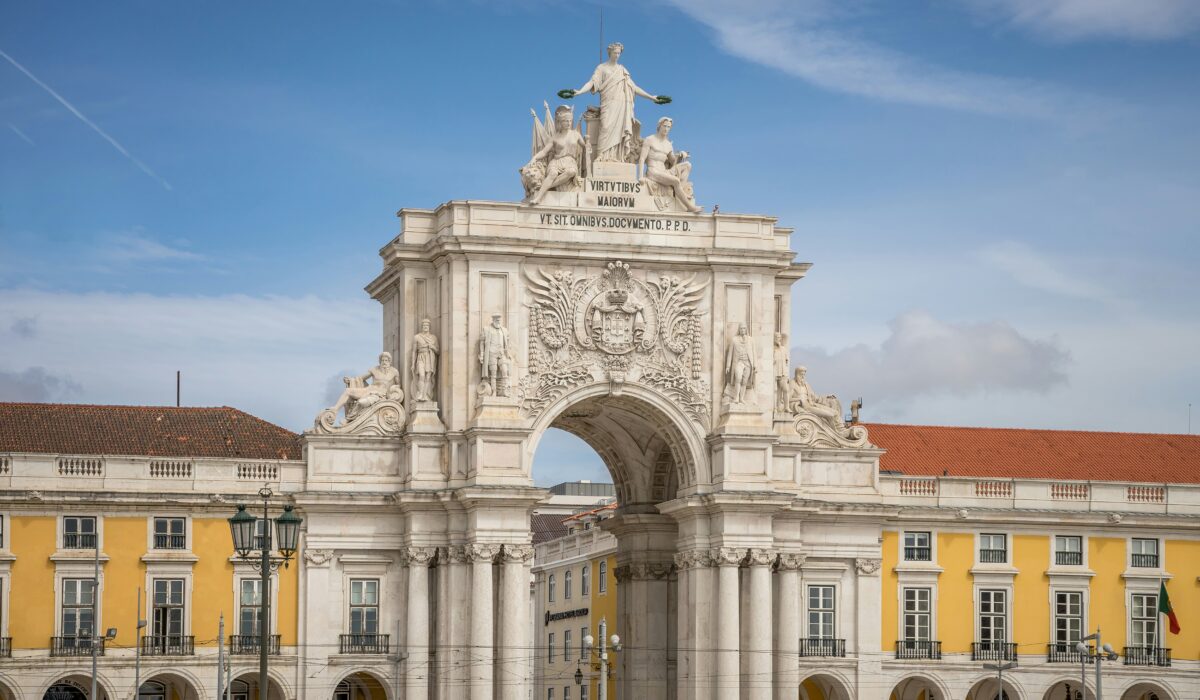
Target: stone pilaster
{"points": [[483, 623], [868, 598], [515, 560], [787, 630]]}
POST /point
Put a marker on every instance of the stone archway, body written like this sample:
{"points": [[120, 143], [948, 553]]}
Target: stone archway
{"points": [[919, 688], [245, 687], [360, 685], [824, 686], [76, 686], [989, 689], [168, 686], [1147, 690], [1068, 689]]}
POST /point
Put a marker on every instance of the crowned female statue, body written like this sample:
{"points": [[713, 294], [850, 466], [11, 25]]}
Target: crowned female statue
{"points": [[617, 91]]}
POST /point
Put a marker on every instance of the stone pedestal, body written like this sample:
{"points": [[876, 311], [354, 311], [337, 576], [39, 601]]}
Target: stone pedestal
{"points": [[423, 418]]}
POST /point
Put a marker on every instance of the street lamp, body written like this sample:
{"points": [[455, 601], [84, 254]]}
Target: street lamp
{"points": [[246, 542], [1104, 652], [588, 642], [1000, 669]]}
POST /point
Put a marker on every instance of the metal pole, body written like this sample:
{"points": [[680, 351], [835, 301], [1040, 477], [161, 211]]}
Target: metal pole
{"points": [[1000, 679], [95, 601], [1099, 655], [220, 656], [264, 619], [137, 647], [602, 691], [1083, 676]]}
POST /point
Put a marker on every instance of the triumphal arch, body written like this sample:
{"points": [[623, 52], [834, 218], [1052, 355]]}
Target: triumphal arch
{"points": [[607, 303]]}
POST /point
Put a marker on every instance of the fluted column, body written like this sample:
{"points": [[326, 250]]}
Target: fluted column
{"points": [[728, 636], [416, 676], [482, 620], [787, 631], [759, 650], [514, 621]]}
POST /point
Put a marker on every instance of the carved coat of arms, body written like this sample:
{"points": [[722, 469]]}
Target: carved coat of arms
{"points": [[614, 327]]}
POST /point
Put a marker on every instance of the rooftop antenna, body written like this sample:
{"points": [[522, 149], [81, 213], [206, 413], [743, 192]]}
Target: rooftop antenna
{"points": [[1189, 417], [177, 374], [602, 51]]}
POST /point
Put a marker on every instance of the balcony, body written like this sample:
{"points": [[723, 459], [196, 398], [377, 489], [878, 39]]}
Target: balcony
{"points": [[918, 649], [917, 553], [79, 540], [993, 651], [363, 644], [168, 645], [76, 646], [1068, 558], [993, 556], [1145, 561], [1147, 656], [1065, 653], [818, 646], [5, 647], [170, 542], [248, 644]]}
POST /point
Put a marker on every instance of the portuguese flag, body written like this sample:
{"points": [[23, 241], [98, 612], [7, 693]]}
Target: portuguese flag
{"points": [[1164, 607]]}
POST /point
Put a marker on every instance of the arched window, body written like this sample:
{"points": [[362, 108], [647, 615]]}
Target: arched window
{"points": [[152, 690], [342, 691], [239, 690], [550, 588], [585, 585], [567, 585], [64, 690]]}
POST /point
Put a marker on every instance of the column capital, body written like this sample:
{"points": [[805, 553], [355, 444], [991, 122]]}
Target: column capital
{"points": [[516, 554], [643, 571], [790, 561], [478, 553], [760, 557], [868, 566], [417, 556], [693, 559], [728, 556], [455, 554]]}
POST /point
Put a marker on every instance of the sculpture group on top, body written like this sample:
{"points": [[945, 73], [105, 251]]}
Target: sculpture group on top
{"points": [[565, 150]]}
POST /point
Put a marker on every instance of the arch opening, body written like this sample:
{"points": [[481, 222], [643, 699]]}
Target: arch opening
{"points": [[245, 687], [989, 689], [74, 687], [168, 686], [1068, 689], [823, 686], [1146, 691], [360, 686], [918, 688]]}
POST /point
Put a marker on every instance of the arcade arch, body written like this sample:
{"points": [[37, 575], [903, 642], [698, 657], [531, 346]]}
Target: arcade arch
{"points": [[76, 686], [1067, 689], [168, 686], [245, 687], [919, 688], [989, 689], [1146, 690], [824, 686], [360, 685]]}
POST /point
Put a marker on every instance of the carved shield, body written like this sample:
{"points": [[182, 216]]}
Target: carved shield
{"points": [[616, 334]]}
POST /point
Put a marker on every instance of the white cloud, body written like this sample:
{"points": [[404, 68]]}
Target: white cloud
{"points": [[268, 355], [36, 384], [1035, 270], [806, 41], [1068, 20], [136, 246], [923, 356]]}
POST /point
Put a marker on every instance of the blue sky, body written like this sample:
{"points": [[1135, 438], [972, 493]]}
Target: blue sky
{"points": [[1000, 197]]}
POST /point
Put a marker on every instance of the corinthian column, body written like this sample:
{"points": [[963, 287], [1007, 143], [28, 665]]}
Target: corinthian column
{"points": [[728, 636], [416, 676], [758, 658], [454, 611], [695, 666], [787, 638], [515, 649], [482, 620]]}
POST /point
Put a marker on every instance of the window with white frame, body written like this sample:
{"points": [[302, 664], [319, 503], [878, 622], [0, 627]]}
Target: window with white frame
{"points": [[993, 548], [550, 588], [170, 533], [821, 612], [917, 546], [78, 598], [567, 585], [1143, 629], [249, 606], [918, 616], [1068, 619], [1143, 553], [585, 586], [993, 619], [167, 618], [566, 645], [583, 692], [1068, 550], [603, 582], [364, 606], [549, 693], [582, 636], [550, 648], [566, 692], [79, 532]]}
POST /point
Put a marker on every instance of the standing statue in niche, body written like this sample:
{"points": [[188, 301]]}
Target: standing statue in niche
{"points": [[804, 400], [494, 356], [739, 365], [618, 135], [782, 386], [384, 384], [559, 163], [423, 363], [665, 171]]}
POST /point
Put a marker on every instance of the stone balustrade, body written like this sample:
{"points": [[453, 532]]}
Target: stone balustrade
{"points": [[1041, 494]]}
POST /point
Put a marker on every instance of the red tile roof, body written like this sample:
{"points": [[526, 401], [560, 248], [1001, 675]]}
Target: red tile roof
{"points": [[155, 431], [929, 450]]}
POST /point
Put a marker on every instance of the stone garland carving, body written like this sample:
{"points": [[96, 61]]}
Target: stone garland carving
{"points": [[516, 554], [789, 561], [372, 408], [418, 556], [456, 554], [423, 363], [614, 327], [818, 419], [643, 571], [318, 557], [867, 567], [482, 552], [740, 358], [495, 358]]}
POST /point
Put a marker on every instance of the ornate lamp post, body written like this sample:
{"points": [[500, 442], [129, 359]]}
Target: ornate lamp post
{"points": [[589, 649], [247, 542]]}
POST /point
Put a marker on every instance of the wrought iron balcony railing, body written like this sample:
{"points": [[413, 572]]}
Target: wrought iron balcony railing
{"points": [[993, 556], [917, 553], [79, 540], [1145, 561], [918, 649], [170, 541], [76, 646], [168, 645], [1147, 656], [241, 644], [1065, 652], [1068, 558], [993, 651], [820, 646], [363, 644]]}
